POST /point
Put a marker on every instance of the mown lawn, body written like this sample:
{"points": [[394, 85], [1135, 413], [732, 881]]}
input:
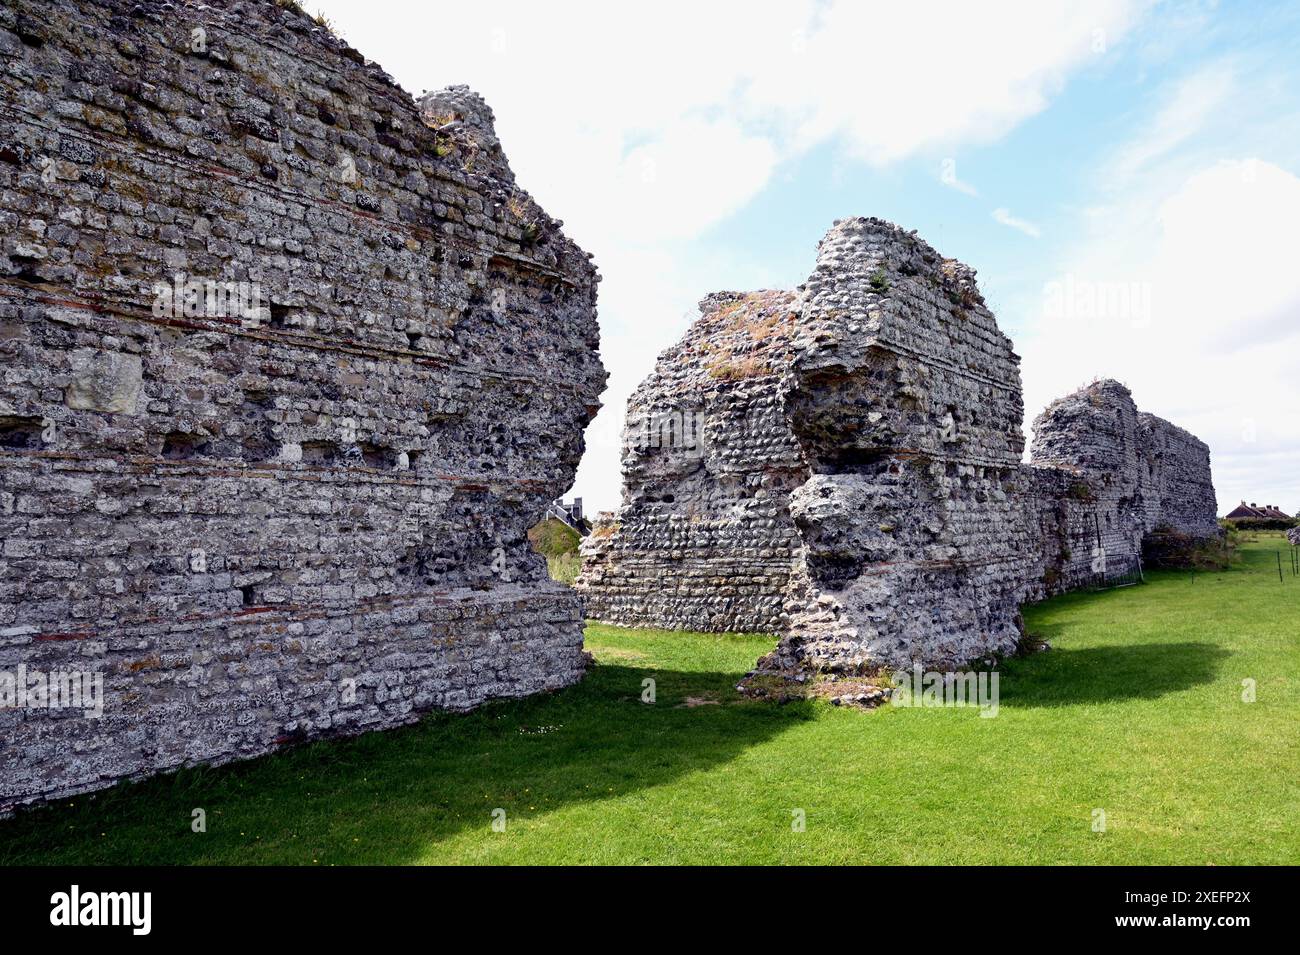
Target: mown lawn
{"points": [[1137, 710]]}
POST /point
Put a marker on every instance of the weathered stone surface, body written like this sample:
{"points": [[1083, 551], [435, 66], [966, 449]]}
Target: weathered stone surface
{"points": [[704, 539], [860, 440], [1177, 489], [103, 381], [1086, 483], [1293, 535], [906, 399], [306, 514], [872, 439], [1108, 482]]}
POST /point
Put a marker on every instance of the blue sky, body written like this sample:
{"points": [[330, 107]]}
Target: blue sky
{"points": [[1123, 175]]}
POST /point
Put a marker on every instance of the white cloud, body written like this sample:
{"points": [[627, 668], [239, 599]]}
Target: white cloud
{"points": [[1004, 216], [1198, 311], [963, 187], [691, 176], [1185, 112], [893, 79], [643, 129]]}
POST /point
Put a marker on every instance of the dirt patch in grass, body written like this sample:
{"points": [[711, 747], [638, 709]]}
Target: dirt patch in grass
{"points": [[866, 692], [693, 701], [605, 654]]}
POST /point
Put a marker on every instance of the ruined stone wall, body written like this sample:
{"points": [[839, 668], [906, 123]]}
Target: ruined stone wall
{"points": [[1107, 481], [306, 517], [1087, 478], [860, 458], [704, 539], [884, 474], [906, 400], [1179, 488]]}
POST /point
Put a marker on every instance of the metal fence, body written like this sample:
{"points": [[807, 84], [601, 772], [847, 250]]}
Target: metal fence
{"points": [[1119, 573]]}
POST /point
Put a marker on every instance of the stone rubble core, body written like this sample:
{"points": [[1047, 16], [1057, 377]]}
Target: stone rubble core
{"points": [[858, 484], [303, 518]]}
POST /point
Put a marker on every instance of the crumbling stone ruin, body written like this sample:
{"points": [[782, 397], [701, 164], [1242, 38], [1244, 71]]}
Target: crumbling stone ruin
{"points": [[1111, 485], [858, 439], [1177, 486], [852, 476], [905, 398], [705, 540], [268, 444]]}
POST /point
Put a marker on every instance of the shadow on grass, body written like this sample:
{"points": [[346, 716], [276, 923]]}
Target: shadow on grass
{"points": [[1107, 674], [386, 797]]}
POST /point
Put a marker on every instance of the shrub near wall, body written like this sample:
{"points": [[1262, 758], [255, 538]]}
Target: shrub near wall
{"points": [[1262, 524], [558, 543], [1167, 547]]}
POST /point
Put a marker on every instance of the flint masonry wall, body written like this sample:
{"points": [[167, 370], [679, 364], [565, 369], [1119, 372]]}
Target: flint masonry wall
{"points": [[901, 524], [1177, 484], [308, 519], [1109, 484], [906, 399], [704, 539], [875, 482], [1087, 481]]}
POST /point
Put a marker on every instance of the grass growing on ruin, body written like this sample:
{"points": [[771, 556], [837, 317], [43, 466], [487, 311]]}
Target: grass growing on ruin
{"points": [[1137, 711]]}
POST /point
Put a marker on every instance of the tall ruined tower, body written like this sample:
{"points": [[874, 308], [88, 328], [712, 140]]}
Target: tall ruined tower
{"points": [[906, 401], [269, 446], [1087, 499], [853, 480]]}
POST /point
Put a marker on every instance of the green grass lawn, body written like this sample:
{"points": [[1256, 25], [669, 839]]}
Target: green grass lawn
{"points": [[1137, 710]]}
